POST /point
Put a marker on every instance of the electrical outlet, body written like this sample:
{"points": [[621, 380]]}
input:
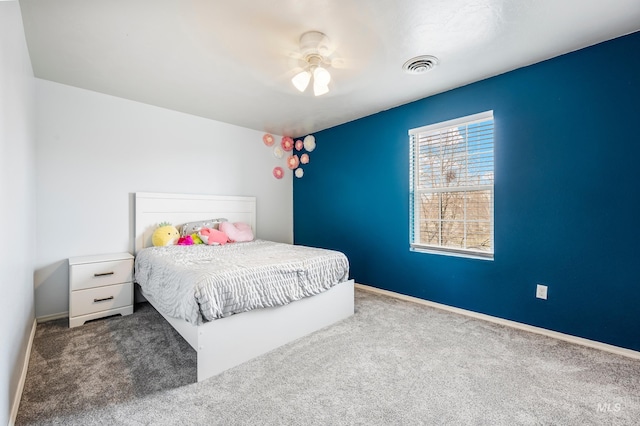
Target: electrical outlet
{"points": [[541, 291]]}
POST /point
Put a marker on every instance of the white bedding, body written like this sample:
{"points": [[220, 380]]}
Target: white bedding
{"points": [[201, 283]]}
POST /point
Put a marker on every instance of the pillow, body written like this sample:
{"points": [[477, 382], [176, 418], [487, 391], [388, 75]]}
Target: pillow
{"points": [[237, 232], [193, 227]]}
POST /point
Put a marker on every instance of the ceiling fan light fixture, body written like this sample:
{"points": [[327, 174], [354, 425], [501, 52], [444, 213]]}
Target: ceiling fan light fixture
{"points": [[301, 80], [320, 89], [321, 76], [314, 47]]}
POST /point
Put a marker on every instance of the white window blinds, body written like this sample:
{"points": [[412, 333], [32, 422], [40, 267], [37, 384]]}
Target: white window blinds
{"points": [[452, 174]]}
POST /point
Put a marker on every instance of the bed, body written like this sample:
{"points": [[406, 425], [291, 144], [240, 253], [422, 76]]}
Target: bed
{"points": [[233, 338]]}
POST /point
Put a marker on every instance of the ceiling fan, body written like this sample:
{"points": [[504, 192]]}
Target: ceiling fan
{"points": [[315, 58]]}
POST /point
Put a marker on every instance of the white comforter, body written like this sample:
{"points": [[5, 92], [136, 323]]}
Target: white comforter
{"points": [[201, 283]]}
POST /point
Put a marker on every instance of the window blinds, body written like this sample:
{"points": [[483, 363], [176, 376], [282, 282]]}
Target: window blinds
{"points": [[452, 176]]}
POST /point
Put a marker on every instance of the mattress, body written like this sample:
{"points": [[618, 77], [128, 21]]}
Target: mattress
{"points": [[201, 283]]}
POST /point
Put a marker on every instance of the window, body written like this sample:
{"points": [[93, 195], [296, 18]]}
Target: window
{"points": [[452, 186]]}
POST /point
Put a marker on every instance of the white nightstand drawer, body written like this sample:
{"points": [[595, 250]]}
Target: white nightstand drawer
{"points": [[98, 274], [100, 299]]}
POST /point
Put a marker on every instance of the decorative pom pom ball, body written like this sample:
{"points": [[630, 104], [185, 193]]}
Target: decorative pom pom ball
{"points": [[293, 162], [278, 152], [278, 173], [268, 139], [287, 143], [309, 143]]}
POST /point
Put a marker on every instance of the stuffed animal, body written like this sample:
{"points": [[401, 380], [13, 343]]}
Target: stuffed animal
{"points": [[165, 235], [185, 241], [237, 232], [196, 238], [213, 236]]}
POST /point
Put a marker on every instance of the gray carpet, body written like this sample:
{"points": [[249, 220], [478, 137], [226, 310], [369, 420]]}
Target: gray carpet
{"points": [[394, 362]]}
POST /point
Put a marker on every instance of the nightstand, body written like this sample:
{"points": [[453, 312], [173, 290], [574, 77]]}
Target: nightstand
{"points": [[100, 286]]}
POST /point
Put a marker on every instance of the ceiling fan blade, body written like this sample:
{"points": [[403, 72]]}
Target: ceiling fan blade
{"points": [[339, 63]]}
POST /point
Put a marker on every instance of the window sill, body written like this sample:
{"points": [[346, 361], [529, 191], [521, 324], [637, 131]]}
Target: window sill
{"points": [[452, 252]]}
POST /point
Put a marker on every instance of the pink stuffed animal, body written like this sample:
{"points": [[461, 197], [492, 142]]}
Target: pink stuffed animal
{"points": [[185, 241], [213, 236], [237, 232]]}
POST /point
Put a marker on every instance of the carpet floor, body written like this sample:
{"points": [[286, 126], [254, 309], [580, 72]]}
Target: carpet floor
{"points": [[393, 363]]}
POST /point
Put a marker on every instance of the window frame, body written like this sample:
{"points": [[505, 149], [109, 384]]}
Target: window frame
{"points": [[414, 200]]}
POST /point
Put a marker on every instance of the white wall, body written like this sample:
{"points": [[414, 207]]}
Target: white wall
{"points": [[94, 151], [17, 202]]}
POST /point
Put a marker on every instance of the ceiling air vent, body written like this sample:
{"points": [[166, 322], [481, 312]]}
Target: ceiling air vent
{"points": [[420, 64]]}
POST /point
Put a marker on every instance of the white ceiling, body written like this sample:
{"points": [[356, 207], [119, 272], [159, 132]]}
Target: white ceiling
{"points": [[232, 61]]}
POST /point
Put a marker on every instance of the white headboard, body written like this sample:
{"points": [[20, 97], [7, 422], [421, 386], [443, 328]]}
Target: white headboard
{"points": [[152, 208]]}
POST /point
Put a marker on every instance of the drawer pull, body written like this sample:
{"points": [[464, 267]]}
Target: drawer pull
{"points": [[103, 300], [104, 274]]}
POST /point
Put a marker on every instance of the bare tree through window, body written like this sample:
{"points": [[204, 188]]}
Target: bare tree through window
{"points": [[453, 187]]}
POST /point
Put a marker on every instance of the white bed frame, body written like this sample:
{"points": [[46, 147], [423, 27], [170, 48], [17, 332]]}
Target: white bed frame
{"points": [[227, 342]]}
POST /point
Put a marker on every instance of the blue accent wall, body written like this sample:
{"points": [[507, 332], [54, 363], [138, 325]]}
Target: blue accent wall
{"points": [[567, 196]]}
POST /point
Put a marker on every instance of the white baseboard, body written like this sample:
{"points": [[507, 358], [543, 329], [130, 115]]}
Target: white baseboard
{"points": [[52, 317], [526, 327], [23, 377]]}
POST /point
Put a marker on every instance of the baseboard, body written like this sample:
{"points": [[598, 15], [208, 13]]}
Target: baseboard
{"points": [[23, 376], [52, 317], [525, 327]]}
